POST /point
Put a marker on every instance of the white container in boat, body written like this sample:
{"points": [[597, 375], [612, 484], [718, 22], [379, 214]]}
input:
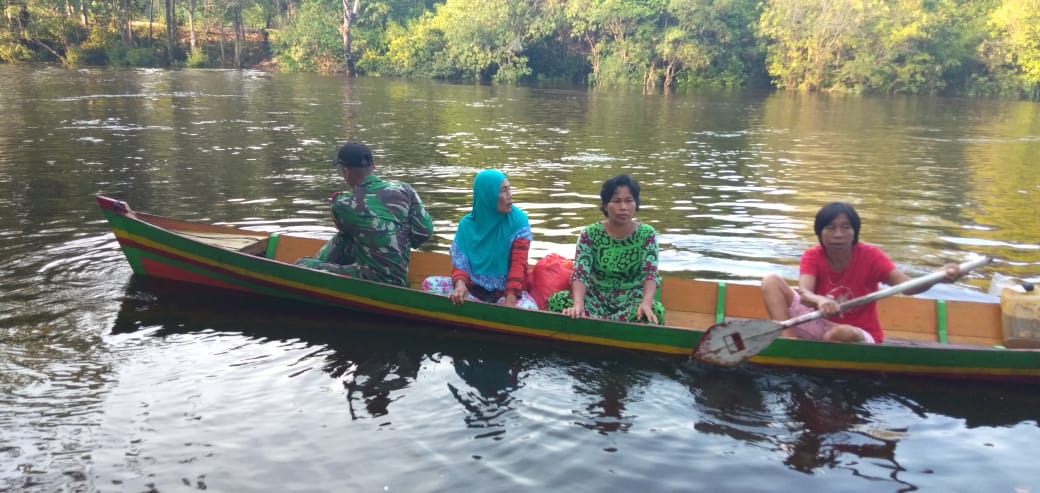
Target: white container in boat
{"points": [[1020, 317], [999, 281]]}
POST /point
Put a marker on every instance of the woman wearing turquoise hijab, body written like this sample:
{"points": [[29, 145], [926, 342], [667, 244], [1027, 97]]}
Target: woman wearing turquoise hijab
{"points": [[489, 253]]}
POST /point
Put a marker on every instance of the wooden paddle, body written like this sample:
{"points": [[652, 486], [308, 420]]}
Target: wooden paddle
{"points": [[731, 342]]}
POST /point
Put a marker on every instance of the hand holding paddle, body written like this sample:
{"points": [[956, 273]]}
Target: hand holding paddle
{"points": [[730, 343]]}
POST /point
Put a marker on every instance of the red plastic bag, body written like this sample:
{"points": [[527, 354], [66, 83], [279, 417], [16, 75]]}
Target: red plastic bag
{"points": [[551, 274]]}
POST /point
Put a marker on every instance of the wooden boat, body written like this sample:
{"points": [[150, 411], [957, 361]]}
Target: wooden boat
{"points": [[960, 339]]}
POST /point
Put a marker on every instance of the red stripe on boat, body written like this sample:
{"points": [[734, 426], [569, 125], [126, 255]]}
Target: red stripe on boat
{"points": [[167, 271]]}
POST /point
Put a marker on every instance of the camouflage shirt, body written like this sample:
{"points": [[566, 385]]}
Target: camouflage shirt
{"points": [[379, 222]]}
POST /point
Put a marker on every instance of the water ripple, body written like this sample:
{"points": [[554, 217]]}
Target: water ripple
{"points": [[111, 382]]}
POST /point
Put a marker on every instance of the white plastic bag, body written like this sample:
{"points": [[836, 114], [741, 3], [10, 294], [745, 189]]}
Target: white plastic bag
{"points": [[999, 281]]}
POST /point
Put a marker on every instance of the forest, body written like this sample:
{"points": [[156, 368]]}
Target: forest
{"points": [[983, 48]]}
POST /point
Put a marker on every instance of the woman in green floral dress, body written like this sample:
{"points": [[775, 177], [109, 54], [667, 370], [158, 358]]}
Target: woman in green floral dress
{"points": [[615, 266]]}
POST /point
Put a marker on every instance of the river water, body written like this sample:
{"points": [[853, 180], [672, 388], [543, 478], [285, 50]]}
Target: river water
{"points": [[114, 383]]}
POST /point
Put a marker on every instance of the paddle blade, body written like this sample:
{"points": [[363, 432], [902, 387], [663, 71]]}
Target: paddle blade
{"points": [[729, 343]]}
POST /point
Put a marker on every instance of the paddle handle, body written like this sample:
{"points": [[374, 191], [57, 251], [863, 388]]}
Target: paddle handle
{"points": [[927, 280]]}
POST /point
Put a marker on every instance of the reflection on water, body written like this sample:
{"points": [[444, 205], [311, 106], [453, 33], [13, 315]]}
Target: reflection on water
{"points": [[731, 180], [821, 423], [442, 389], [109, 382], [487, 396], [830, 429], [606, 385]]}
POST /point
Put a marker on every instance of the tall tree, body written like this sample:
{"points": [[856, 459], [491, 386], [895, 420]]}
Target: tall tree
{"points": [[620, 36], [171, 28], [485, 39], [191, 25], [350, 11], [310, 42], [1015, 27], [240, 35], [713, 42], [810, 38]]}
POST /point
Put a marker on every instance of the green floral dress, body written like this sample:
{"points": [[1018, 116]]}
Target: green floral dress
{"points": [[613, 272]]}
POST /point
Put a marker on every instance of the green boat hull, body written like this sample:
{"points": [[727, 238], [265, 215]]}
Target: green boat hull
{"points": [[159, 252]]}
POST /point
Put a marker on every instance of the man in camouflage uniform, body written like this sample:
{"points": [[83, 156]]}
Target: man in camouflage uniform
{"points": [[379, 222]]}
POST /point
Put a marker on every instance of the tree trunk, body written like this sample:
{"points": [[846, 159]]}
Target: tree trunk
{"points": [[239, 35], [223, 57], [125, 18], [669, 76], [595, 56], [191, 23], [650, 78], [171, 29], [349, 14], [23, 21], [48, 48]]}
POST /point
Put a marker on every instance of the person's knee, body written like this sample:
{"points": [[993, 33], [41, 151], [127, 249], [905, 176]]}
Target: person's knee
{"points": [[770, 280], [776, 294], [844, 333], [773, 283]]}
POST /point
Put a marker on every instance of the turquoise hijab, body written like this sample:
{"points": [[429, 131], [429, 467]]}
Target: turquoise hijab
{"points": [[485, 237]]}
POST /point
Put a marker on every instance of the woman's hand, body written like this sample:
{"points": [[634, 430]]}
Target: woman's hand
{"points": [[825, 304], [646, 310], [576, 311], [953, 272], [458, 295]]}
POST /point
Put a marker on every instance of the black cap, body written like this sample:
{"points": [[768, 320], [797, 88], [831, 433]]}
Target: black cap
{"points": [[354, 155]]}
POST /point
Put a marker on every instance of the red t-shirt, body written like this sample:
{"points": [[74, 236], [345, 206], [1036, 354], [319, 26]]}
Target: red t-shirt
{"points": [[868, 267]]}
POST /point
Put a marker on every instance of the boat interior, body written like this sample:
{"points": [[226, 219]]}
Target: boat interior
{"points": [[692, 304]]}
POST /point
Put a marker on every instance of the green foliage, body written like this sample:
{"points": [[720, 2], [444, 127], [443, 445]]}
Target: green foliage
{"points": [[94, 51], [199, 59], [483, 38], [122, 56], [467, 39], [13, 51], [902, 46], [380, 22], [808, 40], [551, 59], [620, 36], [116, 55], [312, 42], [415, 52], [91, 56], [615, 71], [892, 52], [49, 33], [142, 57], [976, 47], [1013, 57], [713, 43], [73, 57]]}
